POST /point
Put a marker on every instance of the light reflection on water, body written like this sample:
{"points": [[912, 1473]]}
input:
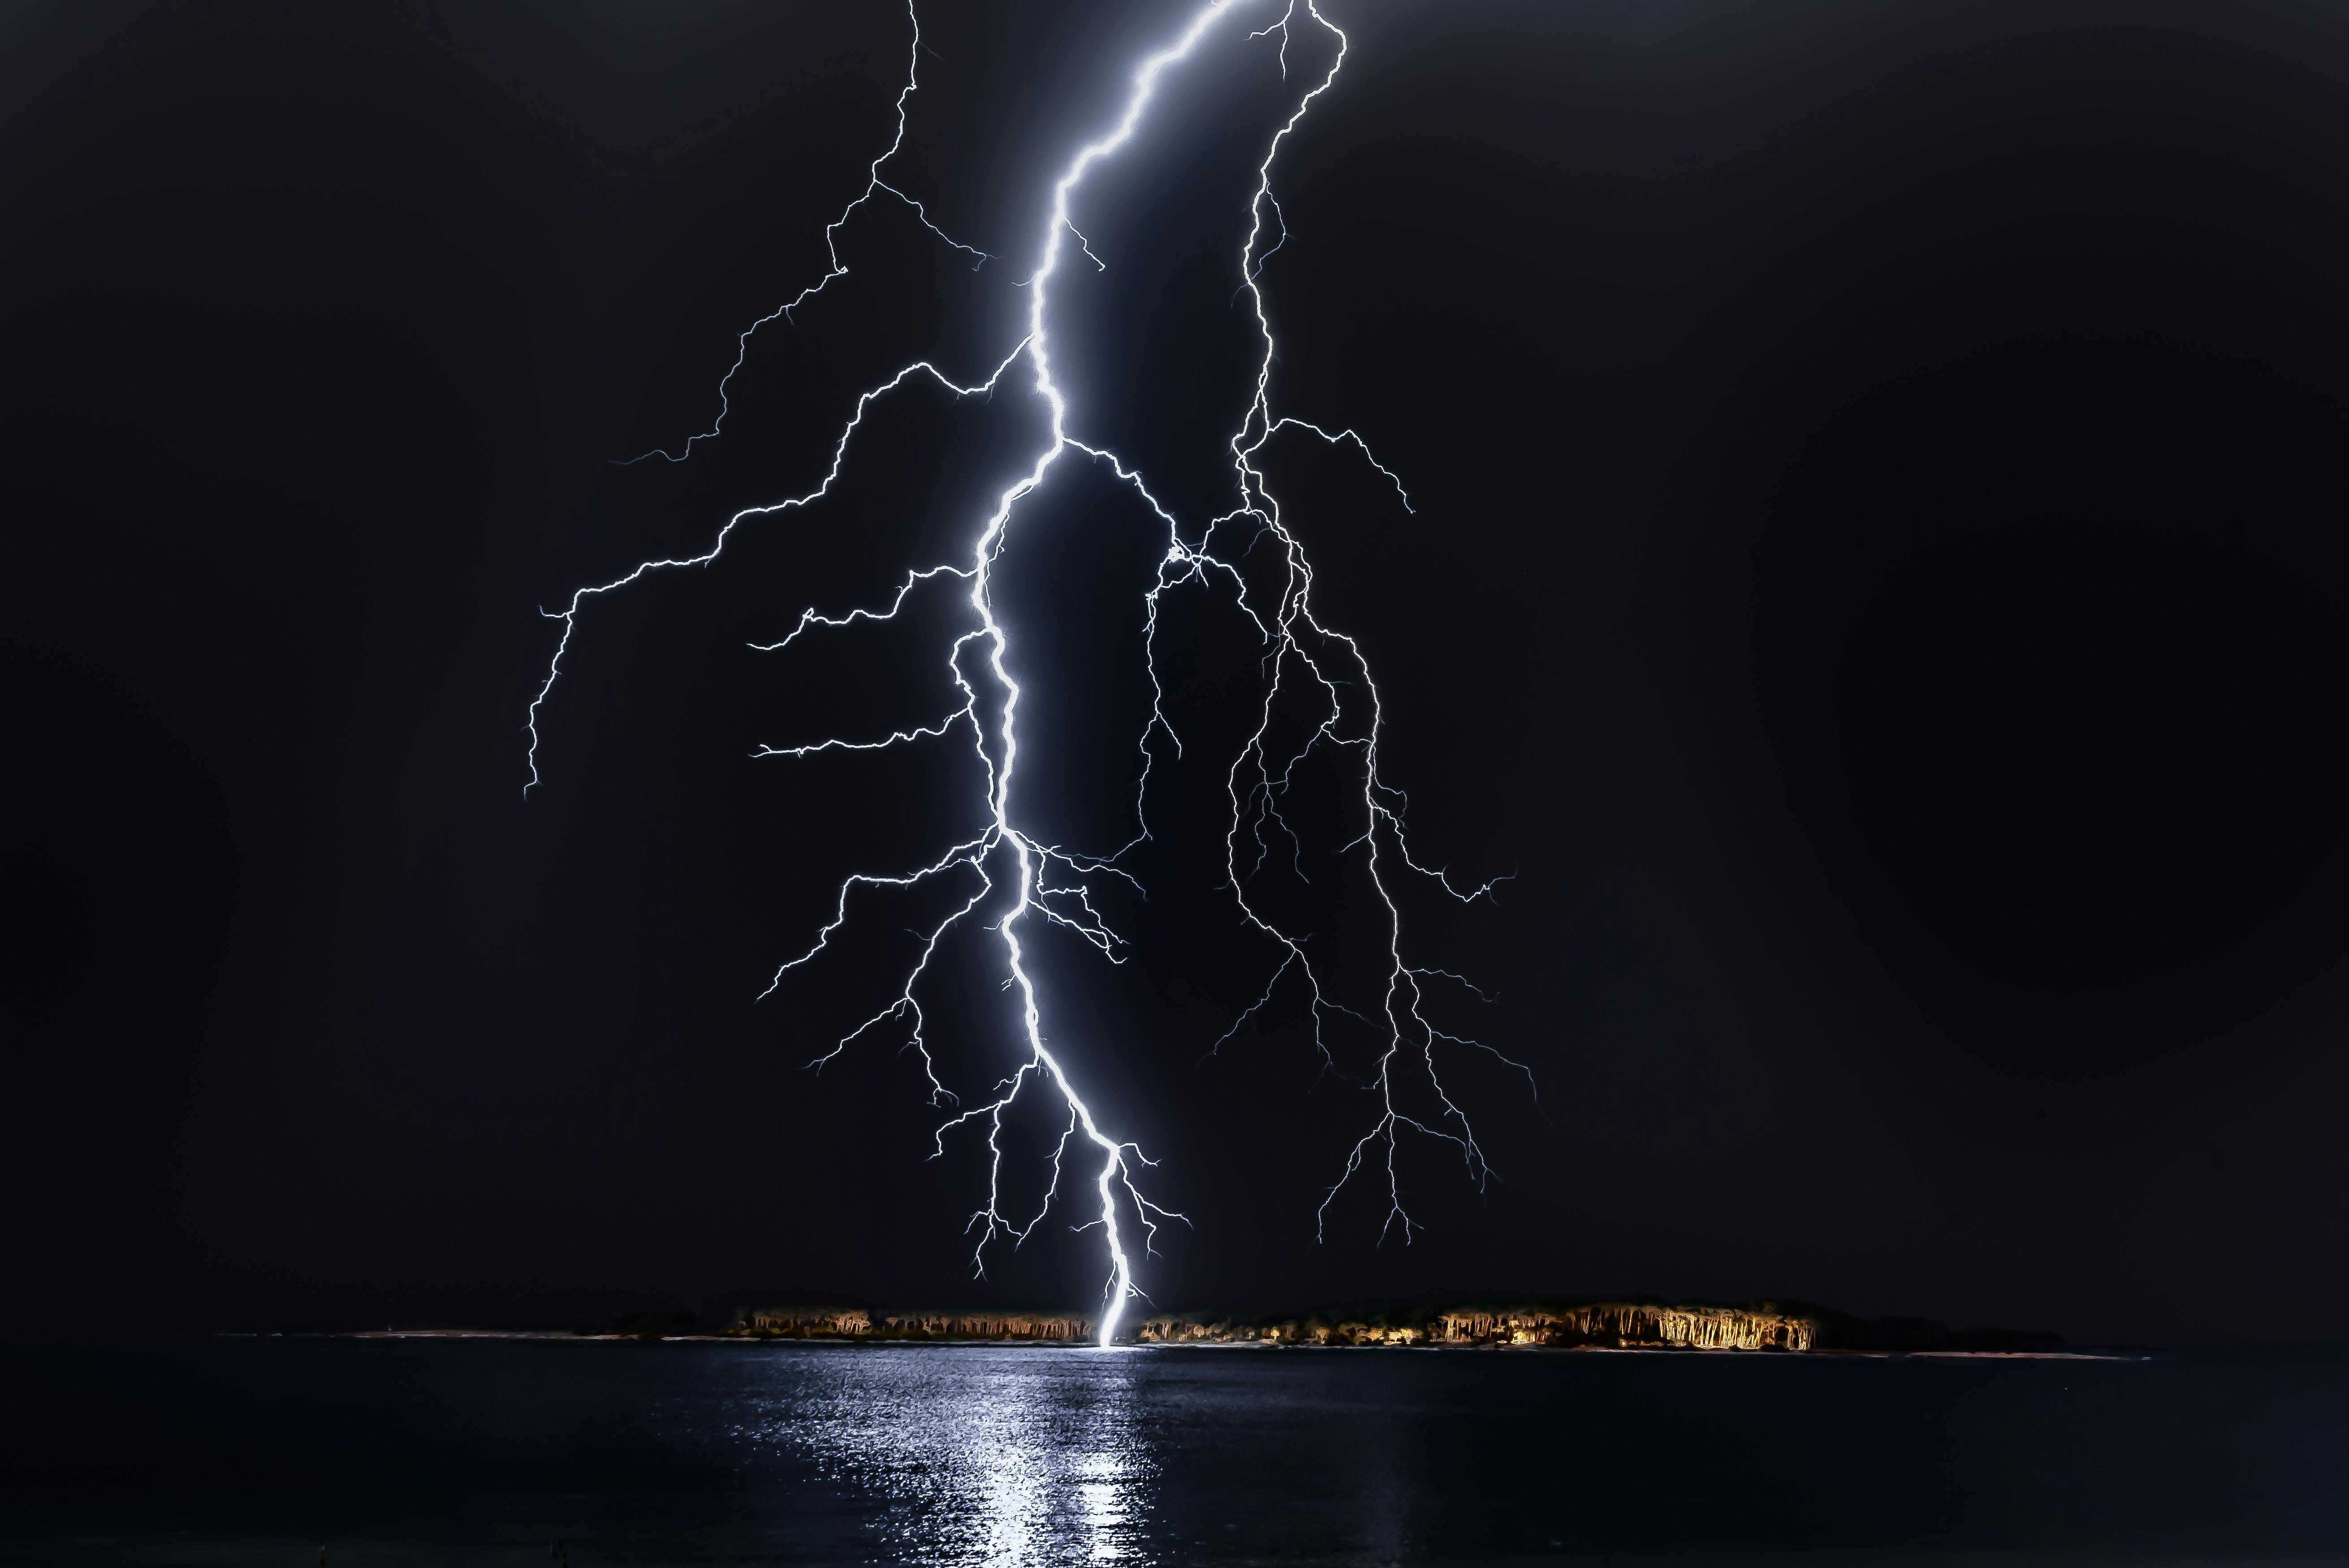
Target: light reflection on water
{"points": [[1013, 1456], [454, 1455], [1017, 1455]]}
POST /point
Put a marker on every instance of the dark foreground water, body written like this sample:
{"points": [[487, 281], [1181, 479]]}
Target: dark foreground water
{"points": [[471, 1452]]}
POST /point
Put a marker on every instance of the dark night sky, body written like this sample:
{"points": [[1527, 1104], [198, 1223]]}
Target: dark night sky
{"points": [[1877, 582]]}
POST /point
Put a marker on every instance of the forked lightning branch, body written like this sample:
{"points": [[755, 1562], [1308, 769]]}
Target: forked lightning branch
{"points": [[1309, 669]]}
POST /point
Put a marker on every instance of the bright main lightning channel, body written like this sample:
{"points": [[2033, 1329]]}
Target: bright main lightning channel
{"points": [[1304, 661]]}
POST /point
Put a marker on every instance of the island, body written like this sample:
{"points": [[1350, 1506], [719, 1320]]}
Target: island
{"points": [[1766, 1327]]}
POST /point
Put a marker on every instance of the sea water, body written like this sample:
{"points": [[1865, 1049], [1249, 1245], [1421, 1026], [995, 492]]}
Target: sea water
{"points": [[465, 1452]]}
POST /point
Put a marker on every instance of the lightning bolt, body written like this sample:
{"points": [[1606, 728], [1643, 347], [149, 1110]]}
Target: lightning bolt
{"points": [[873, 186], [1306, 664]]}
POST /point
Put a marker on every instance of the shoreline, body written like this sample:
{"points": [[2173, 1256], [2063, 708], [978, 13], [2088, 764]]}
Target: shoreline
{"points": [[552, 1336]]}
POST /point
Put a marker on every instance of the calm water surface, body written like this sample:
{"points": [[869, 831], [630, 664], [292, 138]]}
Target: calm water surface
{"points": [[480, 1452]]}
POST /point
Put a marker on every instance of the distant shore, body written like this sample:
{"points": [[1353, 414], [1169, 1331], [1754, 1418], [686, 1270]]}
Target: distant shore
{"points": [[1766, 1328], [568, 1336]]}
